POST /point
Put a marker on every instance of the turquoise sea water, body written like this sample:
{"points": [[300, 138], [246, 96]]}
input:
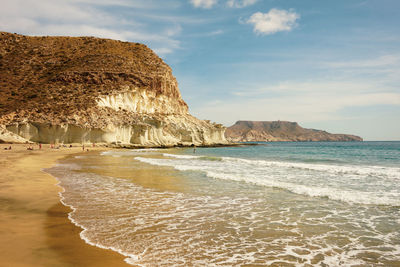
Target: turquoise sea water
{"points": [[282, 204]]}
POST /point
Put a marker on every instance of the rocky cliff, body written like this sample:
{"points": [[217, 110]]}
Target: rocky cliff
{"points": [[85, 89], [246, 131]]}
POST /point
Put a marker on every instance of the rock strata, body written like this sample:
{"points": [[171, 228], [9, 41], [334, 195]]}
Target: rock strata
{"points": [[86, 89], [269, 131]]}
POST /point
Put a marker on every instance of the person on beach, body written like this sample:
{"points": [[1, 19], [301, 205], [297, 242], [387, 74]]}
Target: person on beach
{"points": [[83, 147], [40, 145]]}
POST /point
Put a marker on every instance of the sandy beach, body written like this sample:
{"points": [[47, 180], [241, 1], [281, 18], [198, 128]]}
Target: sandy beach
{"points": [[34, 227]]}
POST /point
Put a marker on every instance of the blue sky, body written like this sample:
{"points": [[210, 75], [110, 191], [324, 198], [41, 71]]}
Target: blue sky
{"points": [[332, 65]]}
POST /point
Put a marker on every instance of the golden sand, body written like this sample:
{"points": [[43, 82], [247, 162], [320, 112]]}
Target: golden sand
{"points": [[34, 228]]}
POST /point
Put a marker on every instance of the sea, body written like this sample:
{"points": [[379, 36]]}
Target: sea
{"points": [[269, 204]]}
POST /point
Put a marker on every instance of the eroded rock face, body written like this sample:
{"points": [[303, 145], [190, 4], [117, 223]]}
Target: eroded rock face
{"points": [[170, 130], [269, 131], [143, 101], [84, 89]]}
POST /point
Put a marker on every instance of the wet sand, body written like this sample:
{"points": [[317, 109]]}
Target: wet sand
{"points": [[34, 227]]}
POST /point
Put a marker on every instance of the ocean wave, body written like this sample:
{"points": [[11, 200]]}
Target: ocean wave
{"points": [[131, 152], [351, 184], [211, 158], [180, 156], [68, 166], [55, 172], [349, 196], [391, 172], [231, 224]]}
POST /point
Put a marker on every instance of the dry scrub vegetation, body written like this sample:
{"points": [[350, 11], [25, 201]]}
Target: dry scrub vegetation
{"points": [[57, 79]]}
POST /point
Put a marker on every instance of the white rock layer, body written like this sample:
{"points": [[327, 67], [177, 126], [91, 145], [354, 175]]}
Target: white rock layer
{"points": [[173, 130], [143, 101], [165, 121]]}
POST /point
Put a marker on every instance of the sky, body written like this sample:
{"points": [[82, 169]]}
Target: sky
{"points": [[331, 65]]}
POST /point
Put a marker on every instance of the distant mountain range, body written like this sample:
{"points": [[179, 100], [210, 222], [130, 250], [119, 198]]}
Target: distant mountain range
{"points": [[247, 131]]}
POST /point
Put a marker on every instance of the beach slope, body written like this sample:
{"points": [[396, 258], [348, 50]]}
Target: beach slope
{"points": [[34, 227]]}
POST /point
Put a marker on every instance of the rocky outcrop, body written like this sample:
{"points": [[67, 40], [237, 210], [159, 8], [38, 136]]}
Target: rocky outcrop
{"points": [[10, 137], [252, 131], [85, 89], [166, 131]]}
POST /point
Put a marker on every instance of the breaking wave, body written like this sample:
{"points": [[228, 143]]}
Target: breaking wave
{"points": [[352, 184]]}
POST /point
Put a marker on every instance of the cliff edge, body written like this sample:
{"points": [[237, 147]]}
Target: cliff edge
{"points": [[86, 89], [252, 131]]}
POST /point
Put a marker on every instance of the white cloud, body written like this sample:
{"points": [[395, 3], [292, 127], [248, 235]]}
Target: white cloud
{"points": [[312, 101], [382, 61], [275, 20], [124, 3], [312, 88], [203, 3], [386, 67], [87, 18], [205, 34], [173, 31], [240, 3], [294, 108], [217, 32]]}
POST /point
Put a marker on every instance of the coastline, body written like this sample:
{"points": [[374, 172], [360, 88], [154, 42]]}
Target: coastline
{"points": [[34, 224]]}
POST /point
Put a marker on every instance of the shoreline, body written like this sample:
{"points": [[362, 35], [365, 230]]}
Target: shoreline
{"points": [[34, 224]]}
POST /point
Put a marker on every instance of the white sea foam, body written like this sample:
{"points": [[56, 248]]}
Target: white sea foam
{"points": [[131, 258], [69, 166], [391, 172], [352, 184], [313, 191], [130, 152], [147, 149], [180, 156], [227, 227]]}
